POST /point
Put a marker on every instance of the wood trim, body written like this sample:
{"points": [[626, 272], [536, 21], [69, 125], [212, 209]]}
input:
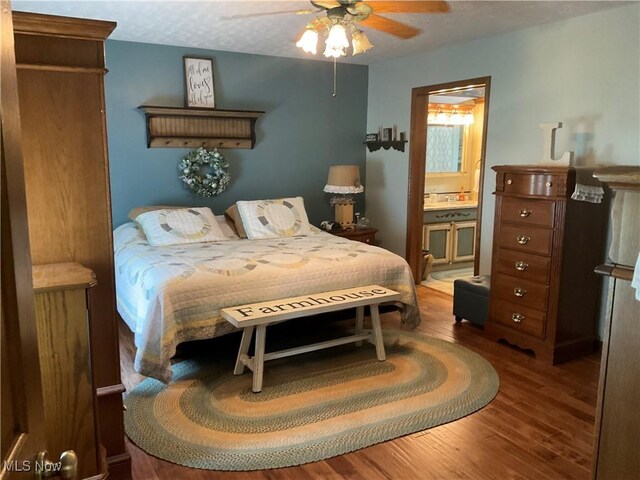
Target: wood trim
{"points": [[110, 390], [199, 112], [621, 272], [623, 177], [483, 155], [61, 68], [195, 142], [415, 200], [61, 276], [100, 476], [40, 24], [23, 424], [417, 148], [17, 304]]}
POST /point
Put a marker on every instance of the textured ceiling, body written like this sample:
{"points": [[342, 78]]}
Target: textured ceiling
{"points": [[240, 26]]}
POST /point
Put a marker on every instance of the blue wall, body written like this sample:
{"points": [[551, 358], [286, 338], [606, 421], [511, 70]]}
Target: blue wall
{"points": [[583, 72], [302, 133]]}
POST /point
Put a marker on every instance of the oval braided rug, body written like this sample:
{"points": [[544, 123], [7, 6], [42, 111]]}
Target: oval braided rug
{"points": [[312, 406]]}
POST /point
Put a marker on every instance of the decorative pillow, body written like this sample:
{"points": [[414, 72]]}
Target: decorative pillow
{"points": [[284, 217], [233, 216], [227, 227], [134, 212], [178, 226]]}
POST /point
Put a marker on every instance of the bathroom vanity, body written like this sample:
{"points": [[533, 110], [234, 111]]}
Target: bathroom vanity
{"points": [[449, 231]]}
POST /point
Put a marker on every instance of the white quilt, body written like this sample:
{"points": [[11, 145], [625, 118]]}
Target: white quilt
{"points": [[172, 294]]}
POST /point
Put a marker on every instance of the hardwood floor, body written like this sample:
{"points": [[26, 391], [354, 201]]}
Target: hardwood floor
{"points": [[539, 426]]}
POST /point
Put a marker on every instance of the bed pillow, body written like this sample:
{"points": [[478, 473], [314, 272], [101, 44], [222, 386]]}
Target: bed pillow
{"points": [[134, 212], [283, 217], [227, 227], [179, 226], [233, 216]]}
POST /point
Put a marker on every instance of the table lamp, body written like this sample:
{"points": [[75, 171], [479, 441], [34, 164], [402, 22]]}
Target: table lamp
{"points": [[344, 182]]}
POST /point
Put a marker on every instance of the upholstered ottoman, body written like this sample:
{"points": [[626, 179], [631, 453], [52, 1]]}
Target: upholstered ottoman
{"points": [[471, 299]]}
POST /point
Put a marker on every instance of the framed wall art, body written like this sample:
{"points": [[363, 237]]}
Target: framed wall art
{"points": [[198, 82]]}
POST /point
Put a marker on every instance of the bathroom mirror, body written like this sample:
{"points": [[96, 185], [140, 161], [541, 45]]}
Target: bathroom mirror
{"points": [[444, 148]]}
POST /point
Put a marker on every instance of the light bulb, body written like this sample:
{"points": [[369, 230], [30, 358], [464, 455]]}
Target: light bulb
{"points": [[308, 42], [336, 42], [360, 42], [456, 118]]}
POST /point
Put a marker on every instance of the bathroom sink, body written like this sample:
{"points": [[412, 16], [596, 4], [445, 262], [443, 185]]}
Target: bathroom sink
{"points": [[450, 205]]}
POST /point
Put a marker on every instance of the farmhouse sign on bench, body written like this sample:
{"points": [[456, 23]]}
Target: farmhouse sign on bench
{"points": [[287, 308], [262, 314]]}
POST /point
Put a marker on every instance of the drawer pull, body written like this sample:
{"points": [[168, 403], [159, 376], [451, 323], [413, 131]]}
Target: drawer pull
{"points": [[509, 182], [523, 239], [517, 317], [525, 212], [519, 292], [548, 184], [521, 266]]}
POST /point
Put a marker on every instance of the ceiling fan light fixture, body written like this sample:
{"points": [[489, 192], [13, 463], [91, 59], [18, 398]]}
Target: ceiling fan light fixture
{"points": [[309, 42], [360, 42], [336, 42]]}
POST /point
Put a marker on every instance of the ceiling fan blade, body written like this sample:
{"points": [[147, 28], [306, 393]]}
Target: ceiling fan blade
{"points": [[434, 6], [266, 14], [326, 4], [391, 27]]}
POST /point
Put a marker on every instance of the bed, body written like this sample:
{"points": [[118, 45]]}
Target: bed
{"points": [[173, 294]]}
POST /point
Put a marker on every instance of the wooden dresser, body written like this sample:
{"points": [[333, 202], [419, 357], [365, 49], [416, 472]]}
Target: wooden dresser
{"points": [[544, 295], [617, 432]]}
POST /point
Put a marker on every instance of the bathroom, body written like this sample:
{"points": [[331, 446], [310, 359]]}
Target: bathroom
{"points": [[454, 157]]}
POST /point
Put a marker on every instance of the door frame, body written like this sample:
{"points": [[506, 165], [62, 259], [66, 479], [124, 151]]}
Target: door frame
{"points": [[23, 425], [417, 160]]}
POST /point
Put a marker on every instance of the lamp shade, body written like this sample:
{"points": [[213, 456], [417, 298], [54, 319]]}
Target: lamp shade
{"points": [[344, 179]]}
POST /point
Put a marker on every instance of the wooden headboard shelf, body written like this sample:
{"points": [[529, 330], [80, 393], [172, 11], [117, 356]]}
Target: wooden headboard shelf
{"points": [[174, 127]]}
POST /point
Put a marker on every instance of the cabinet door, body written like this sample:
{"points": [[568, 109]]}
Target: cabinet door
{"points": [[464, 241], [437, 239]]}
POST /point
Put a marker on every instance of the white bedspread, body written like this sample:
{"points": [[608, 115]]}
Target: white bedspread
{"points": [[172, 294]]}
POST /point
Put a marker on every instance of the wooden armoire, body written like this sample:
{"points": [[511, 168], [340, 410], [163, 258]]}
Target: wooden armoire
{"points": [[617, 432], [544, 295], [60, 69]]}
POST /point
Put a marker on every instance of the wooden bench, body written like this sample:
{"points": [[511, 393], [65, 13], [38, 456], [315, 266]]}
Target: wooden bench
{"points": [[261, 315]]}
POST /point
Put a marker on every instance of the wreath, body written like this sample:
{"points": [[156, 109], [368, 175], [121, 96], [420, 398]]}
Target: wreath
{"points": [[205, 184]]}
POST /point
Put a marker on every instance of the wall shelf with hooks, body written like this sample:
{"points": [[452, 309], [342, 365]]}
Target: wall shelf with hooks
{"points": [[193, 127], [386, 144]]}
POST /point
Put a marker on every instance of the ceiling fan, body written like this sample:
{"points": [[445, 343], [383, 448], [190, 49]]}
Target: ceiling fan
{"points": [[342, 16], [365, 13], [347, 16]]}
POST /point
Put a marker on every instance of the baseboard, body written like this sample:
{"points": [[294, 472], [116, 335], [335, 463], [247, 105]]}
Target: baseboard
{"points": [[119, 467]]}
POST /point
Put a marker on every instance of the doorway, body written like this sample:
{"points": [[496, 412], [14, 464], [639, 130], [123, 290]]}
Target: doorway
{"points": [[446, 175]]}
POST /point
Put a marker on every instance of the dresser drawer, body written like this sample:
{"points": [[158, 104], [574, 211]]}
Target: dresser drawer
{"points": [[525, 238], [520, 292], [525, 266], [527, 211], [526, 320], [534, 184]]}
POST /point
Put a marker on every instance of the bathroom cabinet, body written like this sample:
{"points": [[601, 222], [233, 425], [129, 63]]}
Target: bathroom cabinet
{"points": [[449, 235]]}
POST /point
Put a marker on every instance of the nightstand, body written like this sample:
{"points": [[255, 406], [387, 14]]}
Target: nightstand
{"points": [[364, 235]]}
